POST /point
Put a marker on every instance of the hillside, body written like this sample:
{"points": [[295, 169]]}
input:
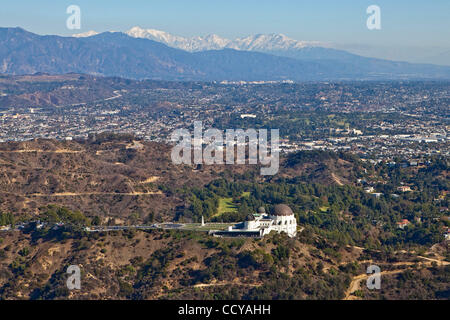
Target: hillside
{"points": [[117, 180], [115, 177], [188, 265]]}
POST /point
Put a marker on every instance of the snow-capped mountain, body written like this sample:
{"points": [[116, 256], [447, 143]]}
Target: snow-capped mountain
{"points": [[271, 42], [194, 44], [85, 34], [260, 42]]}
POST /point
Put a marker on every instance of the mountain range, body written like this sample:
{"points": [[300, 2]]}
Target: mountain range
{"points": [[278, 44], [259, 42], [153, 54]]}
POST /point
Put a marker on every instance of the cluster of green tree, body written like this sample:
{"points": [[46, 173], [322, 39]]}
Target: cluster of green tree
{"points": [[6, 219], [59, 223], [54, 214]]}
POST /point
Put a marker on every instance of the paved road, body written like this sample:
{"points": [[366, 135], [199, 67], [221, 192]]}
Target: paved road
{"points": [[168, 225]]}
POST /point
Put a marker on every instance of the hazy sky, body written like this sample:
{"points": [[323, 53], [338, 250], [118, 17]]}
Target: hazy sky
{"points": [[405, 23]]}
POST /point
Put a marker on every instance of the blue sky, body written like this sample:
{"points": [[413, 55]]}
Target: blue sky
{"points": [[405, 24]]}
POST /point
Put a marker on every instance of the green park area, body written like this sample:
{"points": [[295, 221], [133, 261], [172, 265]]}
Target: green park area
{"points": [[227, 205]]}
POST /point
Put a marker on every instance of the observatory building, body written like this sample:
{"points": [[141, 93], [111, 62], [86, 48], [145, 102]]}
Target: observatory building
{"points": [[281, 219]]}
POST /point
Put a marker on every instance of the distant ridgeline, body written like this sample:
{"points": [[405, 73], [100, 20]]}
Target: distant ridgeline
{"points": [[117, 54]]}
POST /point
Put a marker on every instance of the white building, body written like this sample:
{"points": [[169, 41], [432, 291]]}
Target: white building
{"points": [[282, 219]]}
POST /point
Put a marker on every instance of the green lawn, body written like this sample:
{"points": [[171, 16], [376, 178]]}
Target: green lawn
{"points": [[226, 205]]}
